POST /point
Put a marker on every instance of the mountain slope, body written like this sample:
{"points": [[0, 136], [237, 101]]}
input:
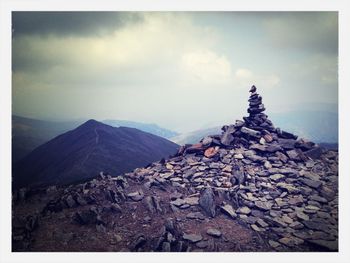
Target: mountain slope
{"points": [[92, 147], [318, 126], [195, 136], [27, 133]]}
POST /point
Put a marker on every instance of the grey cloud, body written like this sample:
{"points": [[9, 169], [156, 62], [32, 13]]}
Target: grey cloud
{"points": [[73, 69], [313, 31], [26, 56], [69, 23], [29, 26]]}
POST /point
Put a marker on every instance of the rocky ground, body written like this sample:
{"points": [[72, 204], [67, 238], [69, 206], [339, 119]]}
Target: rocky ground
{"points": [[118, 219], [252, 188]]}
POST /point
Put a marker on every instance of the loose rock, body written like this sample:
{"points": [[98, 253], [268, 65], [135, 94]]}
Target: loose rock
{"points": [[192, 237], [214, 232], [207, 202]]}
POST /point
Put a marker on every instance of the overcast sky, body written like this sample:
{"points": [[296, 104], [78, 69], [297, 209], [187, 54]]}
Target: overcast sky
{"points": [[183, 71]]}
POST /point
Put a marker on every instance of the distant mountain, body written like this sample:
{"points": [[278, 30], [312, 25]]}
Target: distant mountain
{"points": [[195, 136], [80, 154], [329, 146], [317, 126], [146, 127], [27, 133]]}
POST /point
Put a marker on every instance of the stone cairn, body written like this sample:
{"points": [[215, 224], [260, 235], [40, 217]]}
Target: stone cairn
{"points": [[257, 132], [257, 119]]}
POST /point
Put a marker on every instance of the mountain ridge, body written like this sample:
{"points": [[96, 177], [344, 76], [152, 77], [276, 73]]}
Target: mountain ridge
{"points": [[28, 133], [89, 148]]}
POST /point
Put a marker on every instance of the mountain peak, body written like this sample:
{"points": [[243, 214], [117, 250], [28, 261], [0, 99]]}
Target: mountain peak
{"points": [[79, 154], [91, 122]]}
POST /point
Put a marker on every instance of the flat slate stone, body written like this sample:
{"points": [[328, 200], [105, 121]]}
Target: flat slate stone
{"points": [[244, 210], [262, 223], [268, 138], [250, 132], [255, 228], [274, 244], [302, 216], [273, 148], [135, 196], [287, 144], [278, 222], [192, 237], [258, 147], [195, 215], [318, 199], [287, 219], [214, 232], [207, 140], [276, 177], [202, 244], [311, 183], [228, 209], [265, 206], [291, 241], [210, 152], [289, 187], [294, 155], [238, 156], [191, 200], [226, 138], [314, 153], [178, 202], [296, 225], [296, 200]]}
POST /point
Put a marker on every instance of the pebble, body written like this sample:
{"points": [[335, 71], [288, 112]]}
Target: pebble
{"points": [[214, 232], [192, 237]]}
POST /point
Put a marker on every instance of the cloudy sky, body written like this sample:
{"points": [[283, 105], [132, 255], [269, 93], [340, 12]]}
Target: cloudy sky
{"points": [[183, 71]]}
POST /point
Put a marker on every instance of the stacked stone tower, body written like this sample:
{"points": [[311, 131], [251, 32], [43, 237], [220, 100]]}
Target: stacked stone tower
{"points": [[257, 119]]}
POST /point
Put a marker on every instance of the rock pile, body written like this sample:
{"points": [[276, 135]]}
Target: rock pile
{"points": [[274, 182], [282, 188], [257, 119], [292, 202], [256, 133]]}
